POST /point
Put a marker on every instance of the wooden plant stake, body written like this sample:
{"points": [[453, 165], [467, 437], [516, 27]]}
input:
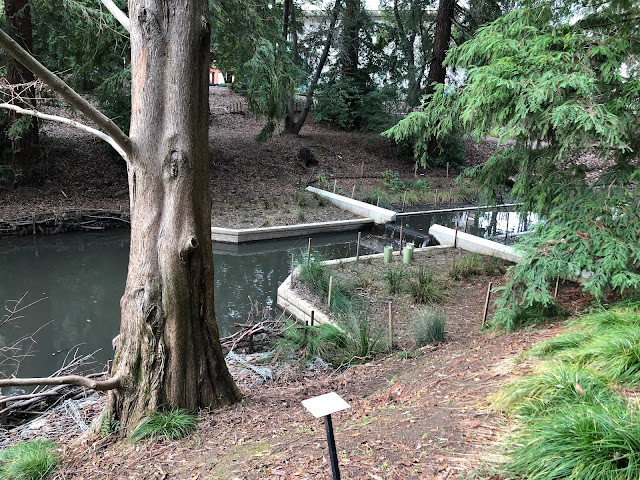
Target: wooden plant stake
{"points": [[455, 237], [358, 246], [390, 329], [506, 229], [404, 200], [335, 184], [330, 288], [378, 202], [401, 227], [486, 304], [292, 269], [447, 169], [435, 199], [353, 192], [313, 314], [555, 293], [309, 253]]}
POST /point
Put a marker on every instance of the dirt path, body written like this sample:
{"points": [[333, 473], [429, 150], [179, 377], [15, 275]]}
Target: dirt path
{"points": [[421, 414]]}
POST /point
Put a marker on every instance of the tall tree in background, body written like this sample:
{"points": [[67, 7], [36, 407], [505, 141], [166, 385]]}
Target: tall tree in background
{"points": [[23, 131], [441, 41], [350, 39], [289, 25], [167, 354]]}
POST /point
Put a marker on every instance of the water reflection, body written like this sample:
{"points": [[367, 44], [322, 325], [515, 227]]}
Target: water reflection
{"points": [[81, 277], [492, 223]]}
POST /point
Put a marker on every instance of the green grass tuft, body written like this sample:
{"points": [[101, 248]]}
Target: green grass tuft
{"points": [[426, 289], [394, 277], [428, 327], [168, 425], [553, 386], [580, 442], [33, 460]]}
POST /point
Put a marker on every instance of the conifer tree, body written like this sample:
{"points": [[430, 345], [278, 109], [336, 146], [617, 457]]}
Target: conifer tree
{"points": [[563, 91]]}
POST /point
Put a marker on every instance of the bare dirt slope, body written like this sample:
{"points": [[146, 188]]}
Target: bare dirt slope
{"points": [[251, 184]]}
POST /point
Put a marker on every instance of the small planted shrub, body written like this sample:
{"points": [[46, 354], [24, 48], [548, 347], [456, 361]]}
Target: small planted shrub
{"points": [[475, 264], [425, 288], [167, 425], [394, 277], [33, 460], [428, 327]]}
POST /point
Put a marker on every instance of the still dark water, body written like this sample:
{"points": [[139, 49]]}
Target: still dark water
{"points": [[80, 278]]}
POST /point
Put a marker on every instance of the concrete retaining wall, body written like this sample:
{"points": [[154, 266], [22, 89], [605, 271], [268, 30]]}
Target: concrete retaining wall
{"points": [[300, 309], [230, 235], [378, 214], [471, 243]]}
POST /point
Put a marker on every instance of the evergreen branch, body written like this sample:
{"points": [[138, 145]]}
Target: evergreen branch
{"points": [[66, 92]]}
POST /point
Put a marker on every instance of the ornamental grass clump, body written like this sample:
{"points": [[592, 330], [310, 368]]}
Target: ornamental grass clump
{"points": [[168, 425], [573, 417], [32, 460], [553, 386], [426, 289], [580, 442], [428, 327]]}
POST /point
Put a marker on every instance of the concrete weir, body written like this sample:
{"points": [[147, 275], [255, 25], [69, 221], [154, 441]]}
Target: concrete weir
{"points": [[230, 235], [378, 214], [471, 243]]}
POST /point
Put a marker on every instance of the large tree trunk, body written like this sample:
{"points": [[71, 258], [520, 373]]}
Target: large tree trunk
{"points": [[24, 149], [441, 41], [350, 38], [168, 350]]}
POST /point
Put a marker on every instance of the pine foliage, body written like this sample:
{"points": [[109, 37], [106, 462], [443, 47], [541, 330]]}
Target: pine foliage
{"points": [[559, 84]]}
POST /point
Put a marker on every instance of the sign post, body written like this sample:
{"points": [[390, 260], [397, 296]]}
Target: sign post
{"points": [[324, 406]]}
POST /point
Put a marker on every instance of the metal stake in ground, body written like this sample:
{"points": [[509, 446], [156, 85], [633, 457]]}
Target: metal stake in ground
{"points": [[324, 406]]}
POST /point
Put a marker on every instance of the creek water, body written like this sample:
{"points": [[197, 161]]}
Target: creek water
{"points": [[77, 280]]}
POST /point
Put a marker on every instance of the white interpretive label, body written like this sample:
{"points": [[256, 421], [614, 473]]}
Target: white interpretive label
{"points": [[326, 404]]}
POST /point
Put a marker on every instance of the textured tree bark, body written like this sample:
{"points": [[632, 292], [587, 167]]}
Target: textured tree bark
{"points": [[168, 352], [350, 39], [441, 41], [291, 124], [24, 150]]}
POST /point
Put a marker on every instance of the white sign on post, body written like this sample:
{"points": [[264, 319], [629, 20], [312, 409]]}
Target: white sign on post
{"points": [[326, 404]]}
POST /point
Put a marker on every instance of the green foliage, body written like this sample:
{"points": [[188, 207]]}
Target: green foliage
{"points": [[572, 420], [426, 288], [553, 386], [394, 277], [554, 87], [259, 58], [168, 425], [428, 327], [33, 460], [348, 105], [582, 442], [475, 264]]}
